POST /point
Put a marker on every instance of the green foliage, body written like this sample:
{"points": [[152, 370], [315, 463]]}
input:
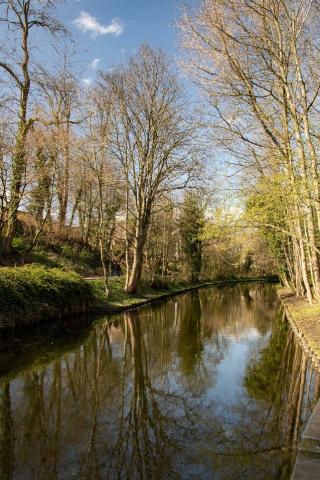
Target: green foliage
{"points": [[191, 228], [118, 298], [33, 291], [67, 251], [89, 259], [79, 258], [68, 255], [261, 379], [266, 207], [160, 283], [41, 257], [19, 245]]}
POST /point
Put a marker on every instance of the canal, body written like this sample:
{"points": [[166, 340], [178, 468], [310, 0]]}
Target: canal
{"points": [[210, 384]]}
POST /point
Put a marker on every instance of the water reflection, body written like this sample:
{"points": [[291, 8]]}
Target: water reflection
{"points": [[208, 385]]}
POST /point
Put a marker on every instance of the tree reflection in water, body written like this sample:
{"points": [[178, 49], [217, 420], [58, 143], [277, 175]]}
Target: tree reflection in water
{"points": [[210, 384], [151, 419], [260, 440], [6, 434]]}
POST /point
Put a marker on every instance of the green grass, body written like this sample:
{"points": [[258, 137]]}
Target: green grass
{"points": [[60, 255], [119, 300], [34, 292]]}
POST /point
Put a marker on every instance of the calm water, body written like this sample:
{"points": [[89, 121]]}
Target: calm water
{"points": [[206, 385]]}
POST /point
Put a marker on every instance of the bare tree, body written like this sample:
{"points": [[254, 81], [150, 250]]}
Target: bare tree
{"points": [[61, 97], [22, 17], [151, 140], [103, 173], [257, 64]]}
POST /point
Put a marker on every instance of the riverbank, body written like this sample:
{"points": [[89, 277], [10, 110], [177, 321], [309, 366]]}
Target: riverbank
{"points": [[119, 300], [305, 322], [33, 293]]}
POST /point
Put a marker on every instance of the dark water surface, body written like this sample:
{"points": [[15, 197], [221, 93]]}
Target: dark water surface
{"points": [[207, 385]]}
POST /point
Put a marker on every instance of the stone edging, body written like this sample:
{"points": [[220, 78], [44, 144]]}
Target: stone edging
{"points": [[307, 465]]}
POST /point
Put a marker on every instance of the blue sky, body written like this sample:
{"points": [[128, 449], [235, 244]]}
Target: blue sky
{"points": [[107, 30]]}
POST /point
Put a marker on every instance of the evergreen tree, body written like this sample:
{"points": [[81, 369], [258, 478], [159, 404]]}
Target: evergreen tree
{"points": [[191, 227]]}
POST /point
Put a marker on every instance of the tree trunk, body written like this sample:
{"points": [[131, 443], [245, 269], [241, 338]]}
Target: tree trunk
{"points": [[105, 262], [19, 159], [136, 269]]}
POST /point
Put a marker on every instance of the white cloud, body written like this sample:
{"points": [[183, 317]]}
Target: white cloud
{"points": [[87, 81], [95, 63], [86, 23]]}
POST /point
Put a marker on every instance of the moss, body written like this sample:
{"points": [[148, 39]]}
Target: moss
{"points": [[33, 292]]}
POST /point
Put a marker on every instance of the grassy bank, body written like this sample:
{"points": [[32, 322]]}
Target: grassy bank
{"points": [[32, 293], [62, 255], [305, 319], [119, 300]]}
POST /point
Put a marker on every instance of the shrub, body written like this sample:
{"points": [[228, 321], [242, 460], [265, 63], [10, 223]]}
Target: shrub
{"points": [[19, 245], [67, 251], [32, 292], [91, 259], [160, 283]]}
